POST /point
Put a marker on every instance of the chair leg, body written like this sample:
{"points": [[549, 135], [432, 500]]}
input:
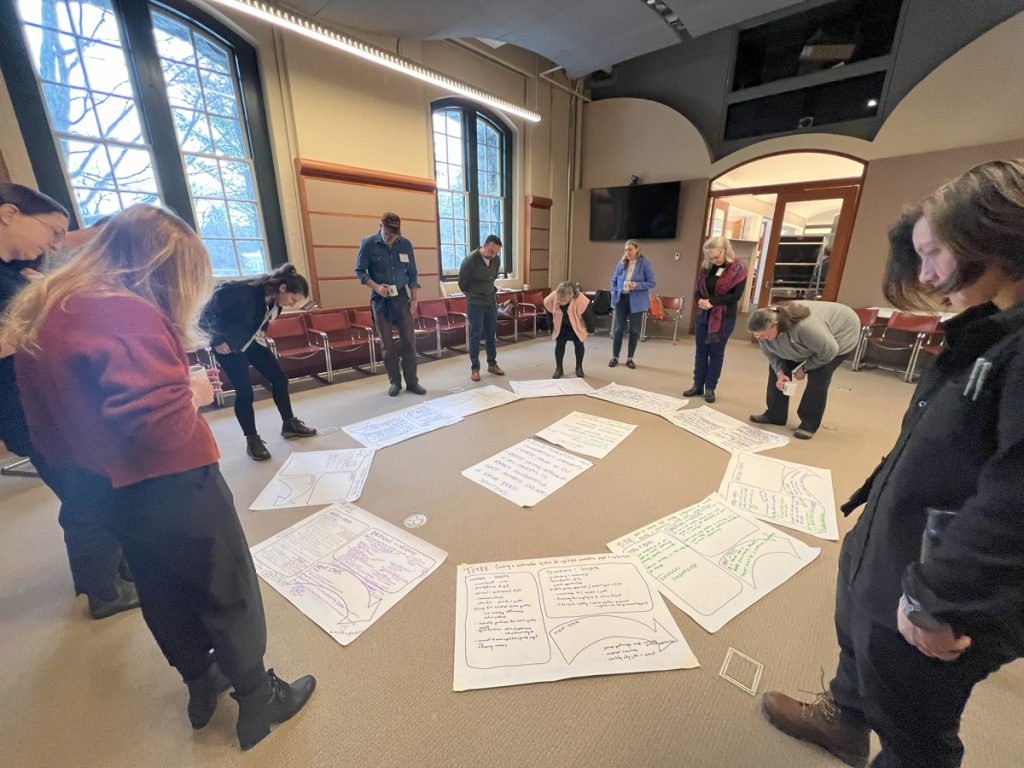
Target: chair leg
{"points": [[912, 362], [675, 330], [643, 327], [327, 357], [13, 469]]}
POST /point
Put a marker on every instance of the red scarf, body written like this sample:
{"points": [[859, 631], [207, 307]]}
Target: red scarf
{"points": [[735, 273]]}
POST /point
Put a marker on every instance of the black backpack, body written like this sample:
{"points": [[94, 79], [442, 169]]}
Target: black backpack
{"points": [[602, 303]]}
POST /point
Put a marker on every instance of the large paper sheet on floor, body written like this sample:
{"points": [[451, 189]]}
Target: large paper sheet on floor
{"points": [[713, 561], [641, 399], [317, 477], [528, 472], [781, 492], [472, 401], [551, 387], [391, 428], [344, 568], [724, 431], [539, 620], [587, 434]]}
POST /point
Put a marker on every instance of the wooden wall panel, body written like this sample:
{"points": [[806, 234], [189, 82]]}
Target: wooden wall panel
{"points": [[341, 205], [538, 242]]}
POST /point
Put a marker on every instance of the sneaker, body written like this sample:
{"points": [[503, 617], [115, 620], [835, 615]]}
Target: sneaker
{"points": [[495, 369], [416, 389], [762, 418], [256, 448], [273, 702], [613, 362], [125, 599], [474, 375], [630, 364], [294, 427], [821, 723], [394, 389], [693, 391]]}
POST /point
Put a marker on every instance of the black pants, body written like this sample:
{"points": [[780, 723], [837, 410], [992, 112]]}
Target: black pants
{"points": [[622, 316], [405, 348], [913, 702], [197, 585], [566, 333], [236, 365], [814, 400]]}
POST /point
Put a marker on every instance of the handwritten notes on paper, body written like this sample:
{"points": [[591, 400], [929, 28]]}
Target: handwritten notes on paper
{"points": [[641, 399], [793, 495], [539, 620], [391, 428], [472, 401], [317, 477], [724, 431], [528, 472], [714, 561], [551, 387], [587, 434], [344, 568]]}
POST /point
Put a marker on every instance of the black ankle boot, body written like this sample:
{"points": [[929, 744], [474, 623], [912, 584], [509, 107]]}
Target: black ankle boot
{"points": [[203, 693], [124, 598], [579, 371], [693, 391], [273, 702], [294, 427], [256, 448], [709, 394], [558, 372]]}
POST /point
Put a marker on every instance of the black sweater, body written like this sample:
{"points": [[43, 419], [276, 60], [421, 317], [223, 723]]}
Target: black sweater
{"points": [[730, 300]]}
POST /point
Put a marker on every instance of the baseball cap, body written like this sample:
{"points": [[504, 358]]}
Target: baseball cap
{"points": [[391, 222]]}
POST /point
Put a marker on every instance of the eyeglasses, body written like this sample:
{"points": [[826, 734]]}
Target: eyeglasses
{"points": [[58, 233]]}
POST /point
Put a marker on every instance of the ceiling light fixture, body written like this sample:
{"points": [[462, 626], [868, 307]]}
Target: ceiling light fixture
{"points": [[321, 34], [872, 103]]}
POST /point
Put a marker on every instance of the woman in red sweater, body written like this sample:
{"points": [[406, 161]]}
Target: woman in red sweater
{"points": [[101, 344]]}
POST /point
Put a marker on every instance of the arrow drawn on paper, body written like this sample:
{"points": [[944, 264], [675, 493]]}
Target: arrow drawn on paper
{"points": [[574, 637]]}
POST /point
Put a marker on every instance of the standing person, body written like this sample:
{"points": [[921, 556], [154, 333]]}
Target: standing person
{"points": [[631, 297], [387, 264], [802, 340], [919, 627], [32, 228], [101, 344], [571, 320], [236, 319], [477, 274], [718, 291]]}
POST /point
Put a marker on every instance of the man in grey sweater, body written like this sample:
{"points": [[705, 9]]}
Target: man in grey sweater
{"points": [[802, 340], [477, 274]]}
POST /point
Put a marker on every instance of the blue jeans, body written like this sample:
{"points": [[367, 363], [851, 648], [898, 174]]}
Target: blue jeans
{"points": [[483, 321], [622, 314], [707, 366]]}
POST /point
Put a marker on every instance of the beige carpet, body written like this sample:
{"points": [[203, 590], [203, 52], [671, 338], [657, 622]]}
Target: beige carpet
{"points": [[81, 693]]}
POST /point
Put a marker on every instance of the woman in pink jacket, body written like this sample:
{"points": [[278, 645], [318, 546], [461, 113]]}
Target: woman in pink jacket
{"points": [[572, 321]]}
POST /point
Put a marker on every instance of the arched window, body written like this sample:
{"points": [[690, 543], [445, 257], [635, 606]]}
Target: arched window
{"points": [[147, 102], [472, 165]]}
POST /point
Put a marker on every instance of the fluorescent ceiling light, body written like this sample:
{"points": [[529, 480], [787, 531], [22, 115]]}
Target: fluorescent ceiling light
{"points": [[314, 31]]}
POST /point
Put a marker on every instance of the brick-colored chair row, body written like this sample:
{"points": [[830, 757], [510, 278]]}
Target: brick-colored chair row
{"points": [[903, 334]]}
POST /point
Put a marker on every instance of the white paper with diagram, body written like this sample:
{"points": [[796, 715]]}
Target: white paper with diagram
{"points": [[309, 478], [713, 561], [794, 495], [345, 568], [640, 399], [533, 621], [727, 433]]}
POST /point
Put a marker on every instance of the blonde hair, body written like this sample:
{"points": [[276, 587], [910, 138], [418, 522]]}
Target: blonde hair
{"points": [[636, 245], [144, 251], [566, 290], [719, 243]]}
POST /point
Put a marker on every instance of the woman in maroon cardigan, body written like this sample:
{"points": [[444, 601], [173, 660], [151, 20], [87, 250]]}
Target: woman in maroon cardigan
{"points": [[101, 345]]}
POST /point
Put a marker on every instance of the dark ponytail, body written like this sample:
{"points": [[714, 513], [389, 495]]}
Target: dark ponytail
{"points": [[28, 201], [285, 275]]}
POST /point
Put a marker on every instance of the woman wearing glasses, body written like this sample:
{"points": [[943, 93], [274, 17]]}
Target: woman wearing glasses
{"points": [[32, 227], [802, 340]]}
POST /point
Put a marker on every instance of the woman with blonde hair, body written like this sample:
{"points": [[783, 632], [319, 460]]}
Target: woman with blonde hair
{"points": [[719, 287], [571, 320], [101, 345], [631, 287], [931, 578]]}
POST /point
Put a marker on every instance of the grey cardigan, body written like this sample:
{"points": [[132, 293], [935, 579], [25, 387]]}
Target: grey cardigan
{"points": [[830, 330]]}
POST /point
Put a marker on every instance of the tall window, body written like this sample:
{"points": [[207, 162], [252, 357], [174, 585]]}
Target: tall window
{"points": [[472, 161], [146, 104]]}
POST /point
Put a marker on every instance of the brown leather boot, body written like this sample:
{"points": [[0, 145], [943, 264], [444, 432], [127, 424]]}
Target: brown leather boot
{"points": [[822, 723]]}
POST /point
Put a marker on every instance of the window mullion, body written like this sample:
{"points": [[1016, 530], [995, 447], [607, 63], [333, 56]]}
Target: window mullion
{"points": [[137, 25], [472, 182]]}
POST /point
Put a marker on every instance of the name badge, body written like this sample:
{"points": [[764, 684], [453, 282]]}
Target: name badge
{"points": [[720, 271], [404, 258]]}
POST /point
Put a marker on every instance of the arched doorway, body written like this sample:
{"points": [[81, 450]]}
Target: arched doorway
{"points": [[789, 216]]}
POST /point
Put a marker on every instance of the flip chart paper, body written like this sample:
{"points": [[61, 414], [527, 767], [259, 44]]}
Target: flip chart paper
{"points": [[528, 472], [472, 401], [532, 621], [587, 434], [344, 568], [391, 428], [317, 477], [724, 431], [713, 561], [551, 387], [641, 399], [794, 495]]}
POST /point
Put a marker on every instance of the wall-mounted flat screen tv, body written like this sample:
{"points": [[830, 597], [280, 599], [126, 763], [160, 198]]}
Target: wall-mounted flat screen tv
{"points": [[642, 211]]}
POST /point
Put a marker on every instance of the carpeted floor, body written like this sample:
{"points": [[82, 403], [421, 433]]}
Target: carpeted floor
{"points": [[77, 692]]}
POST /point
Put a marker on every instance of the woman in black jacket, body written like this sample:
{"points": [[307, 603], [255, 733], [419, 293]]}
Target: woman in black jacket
{"points": [[236, 319], [919, 626]]}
